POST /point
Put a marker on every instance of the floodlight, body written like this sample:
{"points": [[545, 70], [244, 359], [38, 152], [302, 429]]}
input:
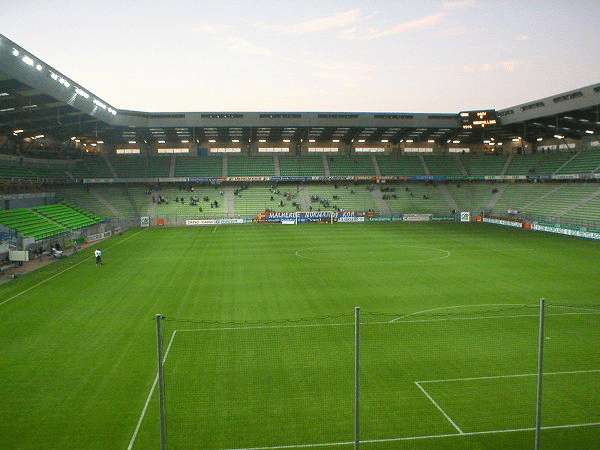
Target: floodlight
{"points": [[39, 67], [15, 52], [589, 131]]}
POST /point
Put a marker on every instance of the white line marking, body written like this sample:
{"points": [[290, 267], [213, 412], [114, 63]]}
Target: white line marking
{"points": [[510, 376], [590, 311], [443, 319], [512, 316], [139, 423], [415, 438], [215, 230], [456, 427], [458, 306], [63, 271]]}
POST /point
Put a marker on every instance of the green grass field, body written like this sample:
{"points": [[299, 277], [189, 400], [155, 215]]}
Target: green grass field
{"points": [[259, 330]]}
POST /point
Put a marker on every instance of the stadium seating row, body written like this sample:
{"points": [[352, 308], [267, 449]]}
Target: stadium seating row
{"points": [[130, 166]]}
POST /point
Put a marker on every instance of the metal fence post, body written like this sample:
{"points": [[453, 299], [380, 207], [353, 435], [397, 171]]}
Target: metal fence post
{"points": [[161, 385], [356, 375], [538, 401]]}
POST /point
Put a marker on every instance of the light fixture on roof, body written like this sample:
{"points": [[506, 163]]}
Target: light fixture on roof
{"points": [[335, 140], [262, 140], [39, 67], [431, 141], [456, 142], [410, 141], [539, 139], [235, 141], [589, 131], [384, 140], [100, 142], [311, 140], [516, 139], [15, 52], [558, 136], [27, 60], [17, 131], [161, 142], [212, 141], [82, 93], [53, 76], [185, 141], [361, 140], [132, 142]]}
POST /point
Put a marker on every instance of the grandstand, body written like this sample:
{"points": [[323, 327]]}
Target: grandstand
{"points": [[73, 168]]}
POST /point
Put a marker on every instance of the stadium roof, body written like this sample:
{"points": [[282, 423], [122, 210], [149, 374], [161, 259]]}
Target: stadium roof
{"points": [[38, 100]]}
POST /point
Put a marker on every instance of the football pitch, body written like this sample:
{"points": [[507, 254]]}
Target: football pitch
{"points": [[259, 340]]}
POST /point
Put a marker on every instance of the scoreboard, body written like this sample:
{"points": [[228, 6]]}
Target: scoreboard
{"points": [[478, 119]]}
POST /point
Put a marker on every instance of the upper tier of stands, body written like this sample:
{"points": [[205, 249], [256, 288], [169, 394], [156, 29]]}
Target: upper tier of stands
{"points": [[214, 166]]}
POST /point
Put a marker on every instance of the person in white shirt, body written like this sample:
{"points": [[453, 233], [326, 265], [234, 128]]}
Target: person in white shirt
{"points": [[98, 254]]}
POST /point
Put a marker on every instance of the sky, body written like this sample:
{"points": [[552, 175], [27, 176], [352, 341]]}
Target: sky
{"points": [[313, 55]]}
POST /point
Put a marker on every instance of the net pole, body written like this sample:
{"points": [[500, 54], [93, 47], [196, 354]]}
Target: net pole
{"points": [[161, 385], [538, 401], [356, 375]]}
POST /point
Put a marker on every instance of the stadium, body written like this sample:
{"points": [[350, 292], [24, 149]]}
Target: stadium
{"points": [[436, 286]]}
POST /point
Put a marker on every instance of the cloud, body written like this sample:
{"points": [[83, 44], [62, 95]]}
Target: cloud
{"points": [[457, 5], [212, 28], [423, 22], [508, 66], [452, 31], [324, 23], [242, 46]]}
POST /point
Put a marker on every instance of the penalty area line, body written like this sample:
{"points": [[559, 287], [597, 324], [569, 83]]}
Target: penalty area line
{"points": [[61, 272], [416, 438]]}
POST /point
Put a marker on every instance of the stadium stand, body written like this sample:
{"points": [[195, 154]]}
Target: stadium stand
{"points": [[416, 199], [250, 166], [81, 197], [585, 161], [471, 197], [191, 166], [447, 165], [482, 165], [68, 216], [402, 166], [28, 223], [537, 163], [141, 167], [254, 199], [303, 166], [346, 197], [174, 207], [558, 202], [350, 165], [516, 197]]}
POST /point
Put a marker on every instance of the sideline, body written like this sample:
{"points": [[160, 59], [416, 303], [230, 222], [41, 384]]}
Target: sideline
{"points": [[63, 271]]}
